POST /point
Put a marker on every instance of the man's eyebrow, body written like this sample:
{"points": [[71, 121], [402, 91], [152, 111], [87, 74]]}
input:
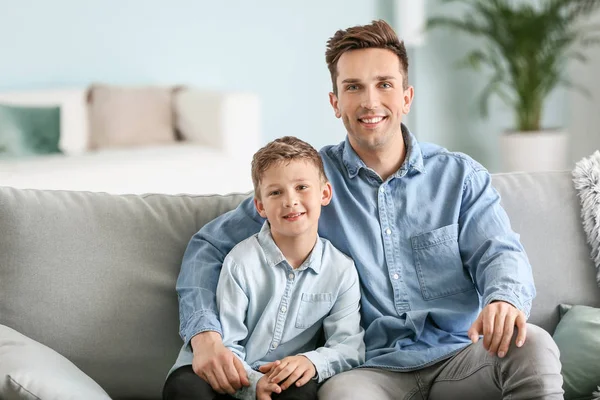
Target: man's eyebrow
{"points": [[378, 78]]}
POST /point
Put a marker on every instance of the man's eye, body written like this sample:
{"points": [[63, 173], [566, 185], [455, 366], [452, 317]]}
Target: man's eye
{"points": [[274, 193], [351, 87], [386, 85]]}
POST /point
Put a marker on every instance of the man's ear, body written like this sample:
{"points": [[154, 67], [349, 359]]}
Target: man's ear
{"points": [[260, 207], [409, 94], [327, 194], [333, 100]]}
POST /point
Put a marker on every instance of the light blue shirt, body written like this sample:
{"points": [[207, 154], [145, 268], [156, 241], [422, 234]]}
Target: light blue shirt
{"points": [[431, 244], [269, 310]]}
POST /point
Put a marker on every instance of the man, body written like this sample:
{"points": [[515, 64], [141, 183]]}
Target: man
{"points": [[438, 262]]}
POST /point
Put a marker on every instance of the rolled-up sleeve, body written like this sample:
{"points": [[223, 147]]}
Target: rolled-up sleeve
{"points": [[201, 265], [490, 249]]}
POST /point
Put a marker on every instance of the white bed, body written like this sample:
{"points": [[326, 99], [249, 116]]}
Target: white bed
{"points": [[217, 163]]}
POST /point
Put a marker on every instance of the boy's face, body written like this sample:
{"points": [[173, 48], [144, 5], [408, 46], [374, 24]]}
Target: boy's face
{"points": [[371, 99], [292, 194]]}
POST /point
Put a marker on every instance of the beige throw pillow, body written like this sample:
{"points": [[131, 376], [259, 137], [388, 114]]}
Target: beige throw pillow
{"points": [[129, 116]]}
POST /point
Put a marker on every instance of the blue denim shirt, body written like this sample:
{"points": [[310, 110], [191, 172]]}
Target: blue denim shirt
{"points": [[431, 244], [269, 310]]}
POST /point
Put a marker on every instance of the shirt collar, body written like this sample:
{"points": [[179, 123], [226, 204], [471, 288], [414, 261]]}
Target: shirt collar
{"points": [[412, 161], [274, 256]]}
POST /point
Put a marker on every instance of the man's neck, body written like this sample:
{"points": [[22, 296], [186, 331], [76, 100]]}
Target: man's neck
{"points": [[296, 249], [386, 160]]}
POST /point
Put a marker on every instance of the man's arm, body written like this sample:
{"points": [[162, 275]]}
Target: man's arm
{"points": [[497, 262], [196, 287]]}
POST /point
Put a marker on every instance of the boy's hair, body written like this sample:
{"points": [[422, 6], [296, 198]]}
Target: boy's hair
{"points": [[377, 35], [284, 149]]}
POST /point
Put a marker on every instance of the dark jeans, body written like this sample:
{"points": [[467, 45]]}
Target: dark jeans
{"points": [[184, 384]]}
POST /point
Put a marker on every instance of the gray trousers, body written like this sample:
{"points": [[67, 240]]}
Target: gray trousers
{"points": [[530, 372]]}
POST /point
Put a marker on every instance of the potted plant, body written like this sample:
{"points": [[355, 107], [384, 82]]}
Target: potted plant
{"points": [[526, 47]]}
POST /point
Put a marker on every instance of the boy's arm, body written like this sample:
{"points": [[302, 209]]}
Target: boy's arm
{"points": [[344, 347], [232, 303]]}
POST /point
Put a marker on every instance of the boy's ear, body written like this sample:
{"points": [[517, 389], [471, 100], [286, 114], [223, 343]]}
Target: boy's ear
{"points": [[327, 194], [260, 207]]}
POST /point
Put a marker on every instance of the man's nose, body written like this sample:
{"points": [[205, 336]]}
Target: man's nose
{"points": [[370, 99]]}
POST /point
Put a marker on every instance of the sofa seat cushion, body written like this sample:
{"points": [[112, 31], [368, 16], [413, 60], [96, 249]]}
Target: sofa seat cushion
{"points": [[578, 338], [30, 370]]}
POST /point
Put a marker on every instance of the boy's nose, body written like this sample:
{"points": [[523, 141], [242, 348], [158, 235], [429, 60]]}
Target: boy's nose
{"points": [[291, 201]]}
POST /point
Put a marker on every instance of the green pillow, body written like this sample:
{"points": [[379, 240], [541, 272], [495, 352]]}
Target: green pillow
{"points": [[578, 338], [29, 130]]}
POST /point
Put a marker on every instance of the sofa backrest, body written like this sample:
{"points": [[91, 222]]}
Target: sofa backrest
{"points": [[92, 275], [544, 209]]}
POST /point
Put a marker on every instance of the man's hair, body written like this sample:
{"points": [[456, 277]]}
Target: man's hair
{"points": [[377, 35], [284, 150]]}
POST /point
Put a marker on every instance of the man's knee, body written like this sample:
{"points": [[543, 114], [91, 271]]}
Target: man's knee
{"points": [[539, 347]]}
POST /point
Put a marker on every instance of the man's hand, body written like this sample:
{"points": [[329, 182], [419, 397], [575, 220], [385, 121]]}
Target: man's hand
{"points": [[292, 369], [496, 323], [264, 388], [216, 364]]}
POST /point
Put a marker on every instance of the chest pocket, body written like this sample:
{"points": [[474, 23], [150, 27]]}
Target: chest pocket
{"points": [[439, 266], [313, 307]]}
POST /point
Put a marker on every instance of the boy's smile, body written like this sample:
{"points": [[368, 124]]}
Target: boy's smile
{"points": [[291, 196]]}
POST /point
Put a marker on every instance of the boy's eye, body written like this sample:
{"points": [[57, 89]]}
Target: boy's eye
{"points": [[302, 187], [274, 193]]}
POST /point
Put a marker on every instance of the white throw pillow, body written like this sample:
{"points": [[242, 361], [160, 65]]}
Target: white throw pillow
{"points": [[29, 370], [586, 177]]}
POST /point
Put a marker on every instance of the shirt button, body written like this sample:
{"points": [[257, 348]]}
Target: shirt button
{"points": [[395, 276], [274, 345], [382, 189], [291, 276], [283, 309], [388, 231]]}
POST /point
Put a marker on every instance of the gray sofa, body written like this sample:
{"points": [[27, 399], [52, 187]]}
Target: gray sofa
{"points": [[92, 275]]}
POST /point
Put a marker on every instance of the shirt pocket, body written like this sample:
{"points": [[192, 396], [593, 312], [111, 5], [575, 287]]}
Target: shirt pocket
{"points": [[439, 267], [313, 307]]}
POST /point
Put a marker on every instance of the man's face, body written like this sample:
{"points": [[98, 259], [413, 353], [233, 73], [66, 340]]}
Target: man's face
{"points": [[291, 196], [371, 99]]}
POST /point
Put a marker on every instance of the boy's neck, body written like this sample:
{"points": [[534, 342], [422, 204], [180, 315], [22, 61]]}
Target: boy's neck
{"points": [[295, 249]]}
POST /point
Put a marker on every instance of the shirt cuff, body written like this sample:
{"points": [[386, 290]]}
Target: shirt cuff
{"points": [[320, 363], [201, 321], [249, 392], [525, 307]]}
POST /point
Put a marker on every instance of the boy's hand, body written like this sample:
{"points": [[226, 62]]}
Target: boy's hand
{"points": [[264, 388], [292, 369]]}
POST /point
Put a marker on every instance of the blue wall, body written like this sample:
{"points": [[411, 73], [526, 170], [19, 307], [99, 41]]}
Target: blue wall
{"points": [[272, 47]]}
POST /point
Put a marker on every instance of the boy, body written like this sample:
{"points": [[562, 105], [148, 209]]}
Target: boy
{"points": [[280, 287]]}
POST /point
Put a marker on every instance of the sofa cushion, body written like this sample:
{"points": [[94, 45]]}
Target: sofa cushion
{"points": [[578, 339], [31, 371], [27, 130], [92, 276], [129, 116], [586, 177]]}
